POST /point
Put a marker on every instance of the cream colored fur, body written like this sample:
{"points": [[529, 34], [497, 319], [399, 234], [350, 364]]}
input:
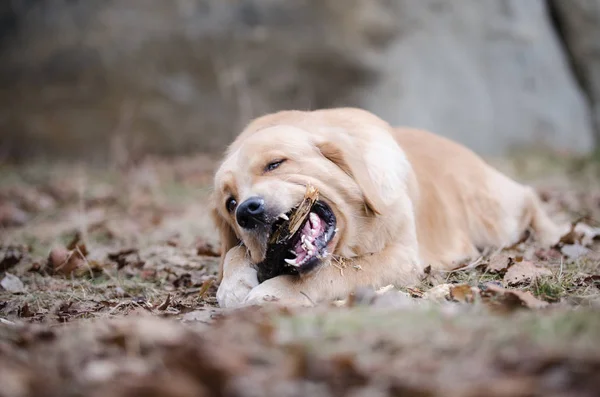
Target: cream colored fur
{"points": [[403, 198]]}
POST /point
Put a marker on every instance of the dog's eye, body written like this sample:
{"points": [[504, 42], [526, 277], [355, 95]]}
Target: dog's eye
{"points": [[274, 164], [230, 204]]}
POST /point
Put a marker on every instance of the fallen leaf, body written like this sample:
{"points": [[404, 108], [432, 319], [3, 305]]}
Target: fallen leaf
{"points": [[510, 299], [63, 261], [572, 236], [463, 293], [500, 262], [587, 279], [12, 283], [77, 244], [588, 234], [206, 249], [24, 311], [126, 257], [524, 272], [183, 280], [439, 293]]}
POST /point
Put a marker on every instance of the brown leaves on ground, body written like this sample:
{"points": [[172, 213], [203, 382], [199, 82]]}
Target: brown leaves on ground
{"points": [[510, 299], [500, 262], [495, 296], [130, 256], [524, 272], [254, 352], [463, 293], [204, 248], [144, 256], [64, 261]]}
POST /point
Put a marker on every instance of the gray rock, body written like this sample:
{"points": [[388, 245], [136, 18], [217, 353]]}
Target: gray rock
{"points": [[489, 73]]}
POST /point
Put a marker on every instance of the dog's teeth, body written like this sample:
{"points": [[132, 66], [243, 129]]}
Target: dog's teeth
{"points": [[291, 262], [314, 218], [293, 252], [303, 238], [284, 216], [310, 246]]}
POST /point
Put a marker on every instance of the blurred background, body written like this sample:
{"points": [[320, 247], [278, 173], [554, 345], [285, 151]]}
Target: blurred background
{"points": [[116, 80]]}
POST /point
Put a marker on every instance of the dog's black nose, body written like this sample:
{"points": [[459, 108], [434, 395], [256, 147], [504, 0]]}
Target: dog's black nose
{"points": [[251, 212]]}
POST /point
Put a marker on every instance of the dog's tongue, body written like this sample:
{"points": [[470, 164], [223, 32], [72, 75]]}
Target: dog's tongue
{"points": [[311, 230]]}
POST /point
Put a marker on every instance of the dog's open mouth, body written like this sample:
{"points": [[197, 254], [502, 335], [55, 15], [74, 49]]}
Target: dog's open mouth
{"points": [[310, 242], [301, 251]]}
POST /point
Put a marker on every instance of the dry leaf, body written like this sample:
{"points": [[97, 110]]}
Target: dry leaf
{"points": [[206, 249], [587, 279], [500, 263], [509, 299], [126, 257], [524, 272], [24, 311], [463, 293], [63, 261], [77, 244], [12, 283], [572, 236], [438, 293]]}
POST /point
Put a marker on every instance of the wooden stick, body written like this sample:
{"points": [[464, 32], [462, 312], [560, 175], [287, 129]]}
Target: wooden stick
{"points": [[291, 226]]}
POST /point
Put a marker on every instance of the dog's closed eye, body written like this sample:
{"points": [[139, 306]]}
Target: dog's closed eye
{"points": [[274, 164]]}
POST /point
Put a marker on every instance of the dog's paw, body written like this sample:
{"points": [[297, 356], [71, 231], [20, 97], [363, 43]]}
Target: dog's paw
{"points": [[280, 291], [234, 290]]}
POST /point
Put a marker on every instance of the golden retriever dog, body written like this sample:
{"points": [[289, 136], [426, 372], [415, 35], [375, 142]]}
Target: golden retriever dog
{"points": [[392, 201]]}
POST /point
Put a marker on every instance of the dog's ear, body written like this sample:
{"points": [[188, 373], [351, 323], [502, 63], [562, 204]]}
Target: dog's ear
{"points": [[352, 162], [227, 236]]}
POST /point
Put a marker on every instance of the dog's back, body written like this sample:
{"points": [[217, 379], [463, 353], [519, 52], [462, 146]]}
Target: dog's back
{"points": [[464, 204]]}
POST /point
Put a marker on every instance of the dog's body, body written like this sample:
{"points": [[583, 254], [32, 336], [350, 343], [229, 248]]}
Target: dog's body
{"points": [[403, 199]]}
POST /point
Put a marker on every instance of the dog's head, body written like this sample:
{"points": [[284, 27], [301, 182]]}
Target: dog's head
{"points": [[351, 158]]}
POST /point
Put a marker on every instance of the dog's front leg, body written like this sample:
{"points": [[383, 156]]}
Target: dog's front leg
{"points": [[396, 265], [239, 277]]}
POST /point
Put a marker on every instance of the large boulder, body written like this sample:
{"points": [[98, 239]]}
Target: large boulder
{"points": [[118, 78]]}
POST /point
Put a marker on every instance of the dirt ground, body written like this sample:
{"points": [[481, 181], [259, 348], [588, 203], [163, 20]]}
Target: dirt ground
{"points": [[108, 289]]}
